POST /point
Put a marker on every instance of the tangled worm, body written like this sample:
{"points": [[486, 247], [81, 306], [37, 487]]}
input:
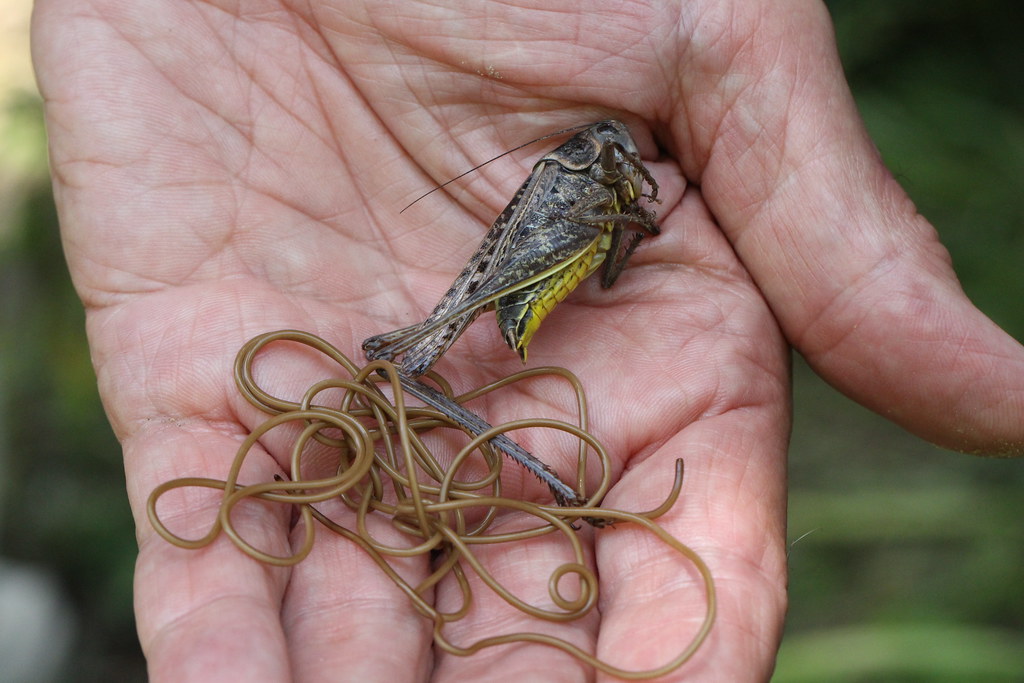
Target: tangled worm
{"points": [[382, 467]]}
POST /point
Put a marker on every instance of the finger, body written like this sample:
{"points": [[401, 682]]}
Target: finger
{"points": [[857, 279], [212, 613], [342, 613], [732, 514], [731, 413], [523, 568], [717, 371]]}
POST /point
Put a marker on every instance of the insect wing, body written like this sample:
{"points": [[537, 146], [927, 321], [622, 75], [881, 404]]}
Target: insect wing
{"points": [[562, 250], [425, 342], [552, 221]]}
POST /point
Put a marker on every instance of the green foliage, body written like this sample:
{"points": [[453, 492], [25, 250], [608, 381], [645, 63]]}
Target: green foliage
{"points": [[62, 497], [903, 653], [940, 89], [910, 567]]}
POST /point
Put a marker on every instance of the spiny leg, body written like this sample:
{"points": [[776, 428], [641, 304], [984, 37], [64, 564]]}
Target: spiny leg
{"points": [[563, 493]]}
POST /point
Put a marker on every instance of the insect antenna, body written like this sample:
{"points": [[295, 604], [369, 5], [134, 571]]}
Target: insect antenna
{"points": [[572, 129]]}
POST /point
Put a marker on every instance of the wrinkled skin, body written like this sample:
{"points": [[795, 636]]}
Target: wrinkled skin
{"points": [[219, 175]]}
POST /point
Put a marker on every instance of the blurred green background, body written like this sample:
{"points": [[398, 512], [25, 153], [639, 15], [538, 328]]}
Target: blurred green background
{"points": [[906, 560]]}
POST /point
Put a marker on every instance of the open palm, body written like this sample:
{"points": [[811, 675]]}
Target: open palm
{"points": [[220, 174]]}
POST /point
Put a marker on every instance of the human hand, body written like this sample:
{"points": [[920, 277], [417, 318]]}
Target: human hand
{"points": [[221, 175]]}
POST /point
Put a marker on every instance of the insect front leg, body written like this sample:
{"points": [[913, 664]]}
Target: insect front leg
{"points": [[637, 216], [615, 263]]}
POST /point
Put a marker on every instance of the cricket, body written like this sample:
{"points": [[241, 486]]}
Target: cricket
{"points": [[566, 221]]}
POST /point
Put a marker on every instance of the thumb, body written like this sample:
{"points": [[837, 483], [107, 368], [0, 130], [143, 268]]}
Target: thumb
{"points": [[856, 277]]}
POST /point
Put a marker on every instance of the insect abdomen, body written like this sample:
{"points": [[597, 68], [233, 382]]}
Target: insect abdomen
{"points": [[520, 313]]}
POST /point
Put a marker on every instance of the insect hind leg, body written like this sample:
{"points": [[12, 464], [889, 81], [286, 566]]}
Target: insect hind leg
{"points": [[389, 344]]}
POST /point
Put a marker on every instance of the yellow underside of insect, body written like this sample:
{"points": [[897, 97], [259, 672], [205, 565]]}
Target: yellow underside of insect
{"points": [[560, 285], [566, 280]]}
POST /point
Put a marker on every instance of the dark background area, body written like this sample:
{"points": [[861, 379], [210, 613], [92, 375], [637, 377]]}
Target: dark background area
{"points": [[906, 560]]}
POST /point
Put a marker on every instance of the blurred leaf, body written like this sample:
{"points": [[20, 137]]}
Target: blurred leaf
{"points": [[902, 652]]}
